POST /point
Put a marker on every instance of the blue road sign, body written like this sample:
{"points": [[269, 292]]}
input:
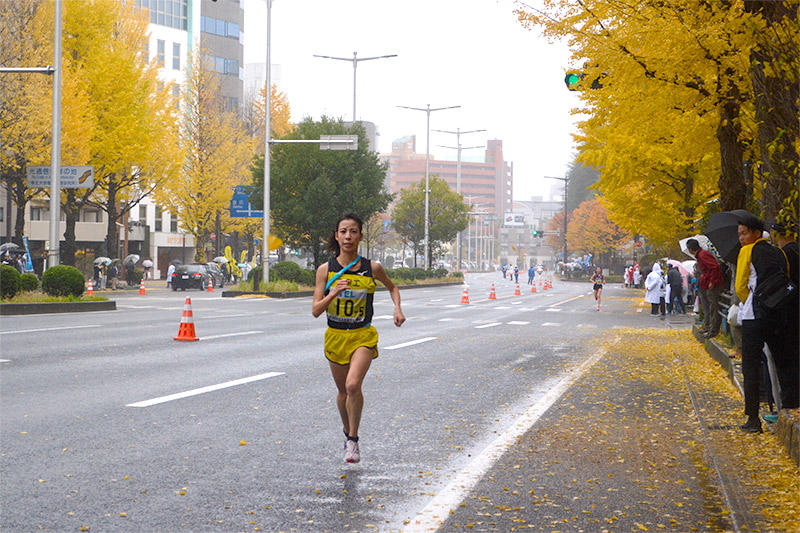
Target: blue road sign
{"points": [[240, 204]]}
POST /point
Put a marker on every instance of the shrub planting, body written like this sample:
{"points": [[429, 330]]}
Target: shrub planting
{"points": [[9, 281], [28, 282], [63, 280]]}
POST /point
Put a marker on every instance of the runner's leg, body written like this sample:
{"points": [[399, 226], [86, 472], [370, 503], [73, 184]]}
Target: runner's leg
{"points": [[359, 364], [339, 373]]}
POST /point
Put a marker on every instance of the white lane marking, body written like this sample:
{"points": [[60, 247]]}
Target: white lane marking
{"points": [[551, 324], [47, 329], [202, 390], [409, 343], [553, 309], [5, 360], [490, 325], [437, 300], [450, 305], [138, 306], [568, 300], [447, 319], [519, 323], [516, 303], [437, 511], [227, 316], [230, 335], [383, 317], [500, 307]]}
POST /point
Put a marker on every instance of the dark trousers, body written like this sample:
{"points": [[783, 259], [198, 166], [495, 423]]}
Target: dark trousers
{"points": [[711, 316], [655, 308], [754, 334], [675, 296], [788, 362]]}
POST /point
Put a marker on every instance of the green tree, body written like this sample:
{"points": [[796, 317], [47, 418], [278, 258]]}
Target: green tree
{"points": [[581, 178], [310, 188], [447, 215]]}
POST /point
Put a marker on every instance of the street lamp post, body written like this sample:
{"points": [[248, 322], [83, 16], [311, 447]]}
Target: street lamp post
{"points": [[355, 59], [566, 183], [458, 133], [267, 135], [428, 110]]}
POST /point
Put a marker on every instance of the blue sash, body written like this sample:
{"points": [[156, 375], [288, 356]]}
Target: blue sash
{"points": [[342, 271]]}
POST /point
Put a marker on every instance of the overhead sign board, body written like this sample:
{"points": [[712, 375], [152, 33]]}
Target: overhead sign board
{"points": [[513, 219], [342, 142], [240, 204], [72, 177]]}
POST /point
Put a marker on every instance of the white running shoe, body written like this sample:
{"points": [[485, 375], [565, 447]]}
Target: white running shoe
{"points": [[351, 452]]}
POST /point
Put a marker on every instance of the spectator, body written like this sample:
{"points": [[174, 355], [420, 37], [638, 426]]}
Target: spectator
{"points": [[757, 261], [113, 275], [789, 368], [710, 288], [675, 287], [170, 271], [516, 274], [531, 274], [654, 283], [637, 276]]}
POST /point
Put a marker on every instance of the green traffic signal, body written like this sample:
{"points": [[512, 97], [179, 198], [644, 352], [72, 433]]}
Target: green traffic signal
{"points": [[573, 80], [535, 233]]}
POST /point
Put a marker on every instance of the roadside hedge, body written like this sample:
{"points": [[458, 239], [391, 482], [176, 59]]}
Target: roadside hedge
{"points": [[287, 271], [9, 281], [28, 282], [63, 280]]}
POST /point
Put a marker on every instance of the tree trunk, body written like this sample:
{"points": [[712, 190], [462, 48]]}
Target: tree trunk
{"points": [[776, 106], [71, 213], [20, 200], [112, 233], [732, 191]]}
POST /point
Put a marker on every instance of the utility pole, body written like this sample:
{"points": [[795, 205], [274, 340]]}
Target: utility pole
{"points": [[458, 133], [355, 59]]}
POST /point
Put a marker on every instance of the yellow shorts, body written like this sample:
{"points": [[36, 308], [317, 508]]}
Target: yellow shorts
{"points": [[340, 344]]}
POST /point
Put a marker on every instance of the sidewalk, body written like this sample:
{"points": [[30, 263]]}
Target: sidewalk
{"points": [[647, 439]]}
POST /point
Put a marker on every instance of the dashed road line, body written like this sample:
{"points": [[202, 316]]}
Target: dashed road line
{"points": [[409, 343], [548, 324], [48, 329], [202, 390], [489, 325], [519, 323], [230, 335]]}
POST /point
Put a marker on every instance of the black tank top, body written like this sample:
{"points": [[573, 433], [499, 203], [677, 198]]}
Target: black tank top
{"points": [[352, 308]]}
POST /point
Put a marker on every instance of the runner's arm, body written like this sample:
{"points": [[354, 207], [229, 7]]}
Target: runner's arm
{"points": [[321, 302], [379, 273]]}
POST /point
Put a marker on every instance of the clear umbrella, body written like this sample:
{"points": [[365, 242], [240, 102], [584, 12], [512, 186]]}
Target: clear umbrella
{"points": [[176, 262], [702, 240], [102, 261], [147, 263], [132, 259], [220, 259], [11, 248]]}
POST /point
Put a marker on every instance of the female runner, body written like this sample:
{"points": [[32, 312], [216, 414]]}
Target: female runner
{"points": [[345, 287], [598, 279]]}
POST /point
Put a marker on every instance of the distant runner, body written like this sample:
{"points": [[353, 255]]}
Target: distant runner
{"points": [[345, 287], [598, 279]]}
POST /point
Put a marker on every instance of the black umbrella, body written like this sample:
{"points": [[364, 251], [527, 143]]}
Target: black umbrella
{"points": [[723, 232]]}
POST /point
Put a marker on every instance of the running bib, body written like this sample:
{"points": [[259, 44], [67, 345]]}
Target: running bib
{"points": [[352, 308]]}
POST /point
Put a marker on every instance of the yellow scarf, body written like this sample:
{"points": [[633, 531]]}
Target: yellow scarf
{"points": [[743, 270]]}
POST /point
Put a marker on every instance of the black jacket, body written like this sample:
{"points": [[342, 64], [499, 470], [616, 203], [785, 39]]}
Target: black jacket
{"points": [[674, 277], [767, 260]]}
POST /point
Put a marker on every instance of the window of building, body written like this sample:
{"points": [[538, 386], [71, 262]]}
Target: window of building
{"points": [[90, 215], [231, 103], [158, 218], [176, 56], [222, 28], [143, 213], [176, 94], [2, 214], [172, 13], [160, 51], [173, 223], [40, 213]]}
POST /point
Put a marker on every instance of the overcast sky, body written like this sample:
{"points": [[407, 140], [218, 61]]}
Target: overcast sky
{"points": [[472, 53]]}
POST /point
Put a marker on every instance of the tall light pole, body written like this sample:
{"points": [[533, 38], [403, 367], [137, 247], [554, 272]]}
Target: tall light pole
{"points": [[267, 135], [458, 133], [428, 110], [355, 59], [566, 183]]}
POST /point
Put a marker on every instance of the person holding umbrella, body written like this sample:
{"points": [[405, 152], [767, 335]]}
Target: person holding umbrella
{"points": [[757, 261], [710, 288]]}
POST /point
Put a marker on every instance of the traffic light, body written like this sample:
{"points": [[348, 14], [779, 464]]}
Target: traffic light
{"points": [[535, 233], [573, 80]]}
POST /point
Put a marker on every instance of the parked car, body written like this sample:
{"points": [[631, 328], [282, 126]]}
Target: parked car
{"points": [[216, 274], [190, 276]]}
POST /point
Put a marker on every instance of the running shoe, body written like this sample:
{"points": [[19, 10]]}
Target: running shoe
{"points": [[351, 452]]}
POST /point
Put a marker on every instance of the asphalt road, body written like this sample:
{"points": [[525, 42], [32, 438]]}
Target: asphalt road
{"points": [[110, 424]]}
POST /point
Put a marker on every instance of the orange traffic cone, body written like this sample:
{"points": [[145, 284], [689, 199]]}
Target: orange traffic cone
{"points": [[533, 288], [516, 292], [492, 294], [465, 295], [210, 285], [186, 330], [89, 289], [141, 288]]}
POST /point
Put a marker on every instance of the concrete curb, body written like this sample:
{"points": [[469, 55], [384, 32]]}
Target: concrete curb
{"points": [[300, 294], [787, 428], [56, 307]]}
